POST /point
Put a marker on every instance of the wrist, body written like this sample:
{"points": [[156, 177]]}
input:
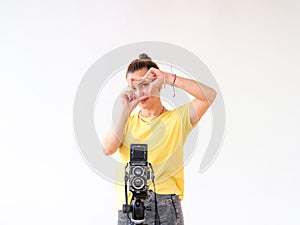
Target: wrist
{"points": [[169, 78], [125, 112]]}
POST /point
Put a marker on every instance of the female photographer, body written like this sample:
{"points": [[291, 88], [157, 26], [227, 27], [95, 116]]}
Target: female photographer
{"points": [[164, 130]]}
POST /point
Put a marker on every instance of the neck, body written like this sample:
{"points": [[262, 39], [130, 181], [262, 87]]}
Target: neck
{"points": [[154, 110]]}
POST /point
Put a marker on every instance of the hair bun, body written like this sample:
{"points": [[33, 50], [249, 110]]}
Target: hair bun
{"points": [[144, 56]]}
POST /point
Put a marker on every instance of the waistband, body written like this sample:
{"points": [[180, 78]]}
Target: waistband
{"points": [[160, 197]]}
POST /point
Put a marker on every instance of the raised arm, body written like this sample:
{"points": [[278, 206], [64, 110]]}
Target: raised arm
{"points": [[114, 136], [204, 95]]}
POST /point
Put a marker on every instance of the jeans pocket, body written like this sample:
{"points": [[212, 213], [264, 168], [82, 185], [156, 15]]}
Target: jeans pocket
{"points": [[167, 213]]}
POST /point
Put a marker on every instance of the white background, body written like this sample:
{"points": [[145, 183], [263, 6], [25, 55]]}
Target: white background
{"points": [[252, 49]]}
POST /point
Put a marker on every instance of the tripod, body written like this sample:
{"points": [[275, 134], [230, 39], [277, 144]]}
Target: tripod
{"points": [[136, 207], [137, 210]]}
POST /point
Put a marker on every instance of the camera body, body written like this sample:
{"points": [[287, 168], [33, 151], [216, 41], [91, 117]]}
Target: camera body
{"points": [[138, 170], [137, 173]]}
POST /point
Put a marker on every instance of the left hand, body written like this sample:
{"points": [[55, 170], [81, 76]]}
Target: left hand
{"points": [[156, 78]]}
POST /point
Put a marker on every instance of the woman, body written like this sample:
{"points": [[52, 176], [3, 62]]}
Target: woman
{"points": [[165, 132]]}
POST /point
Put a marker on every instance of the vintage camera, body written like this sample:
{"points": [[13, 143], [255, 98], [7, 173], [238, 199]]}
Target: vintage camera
{"points": [[137, 173], [138, 170]]}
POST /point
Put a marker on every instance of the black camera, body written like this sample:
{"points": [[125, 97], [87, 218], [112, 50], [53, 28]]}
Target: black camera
{"points": [[137, 176], [138, 170]]}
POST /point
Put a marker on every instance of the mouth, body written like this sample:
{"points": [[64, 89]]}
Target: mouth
{"points": [[144, 100]]}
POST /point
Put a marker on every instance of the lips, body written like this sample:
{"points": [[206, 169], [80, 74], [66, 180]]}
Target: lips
{"points": [[144, 100]]}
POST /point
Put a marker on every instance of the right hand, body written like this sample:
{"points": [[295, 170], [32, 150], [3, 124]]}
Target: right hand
{"points": [[129, 101]]}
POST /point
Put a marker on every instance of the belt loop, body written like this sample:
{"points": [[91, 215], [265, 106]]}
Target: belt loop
{"points": [[175, 208]]}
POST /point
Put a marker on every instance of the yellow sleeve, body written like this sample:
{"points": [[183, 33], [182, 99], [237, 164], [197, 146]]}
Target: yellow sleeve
{"points": [[184, 112]]}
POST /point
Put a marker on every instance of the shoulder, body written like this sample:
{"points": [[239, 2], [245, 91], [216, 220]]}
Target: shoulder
{"points": [[133, 116], [182, 109], [182, 113]]}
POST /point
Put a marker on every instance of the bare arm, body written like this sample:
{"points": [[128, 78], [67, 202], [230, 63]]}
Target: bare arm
{"points": [[114, 136], [204, 95]]}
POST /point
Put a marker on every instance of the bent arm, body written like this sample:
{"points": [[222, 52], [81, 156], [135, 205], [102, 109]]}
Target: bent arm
{"points": [[114, 136], [204, 95]]}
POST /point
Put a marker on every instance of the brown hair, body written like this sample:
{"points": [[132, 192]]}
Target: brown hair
{"points": [[144, 61]]}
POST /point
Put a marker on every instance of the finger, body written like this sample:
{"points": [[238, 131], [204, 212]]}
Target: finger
{"points": [[126, 96], [155, 86], [136, 80], [150, 73], [134, 102], [151, 77], [129, 95]]}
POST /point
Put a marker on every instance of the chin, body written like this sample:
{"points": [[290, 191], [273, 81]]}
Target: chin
{"points": [[143, 105], [146, 104]]}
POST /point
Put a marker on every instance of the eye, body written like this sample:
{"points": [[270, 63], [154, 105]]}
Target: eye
{"points": [[145, 84]]}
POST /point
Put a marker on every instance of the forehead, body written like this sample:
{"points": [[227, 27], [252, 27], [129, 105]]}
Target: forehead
{"points": [[136, 74]]}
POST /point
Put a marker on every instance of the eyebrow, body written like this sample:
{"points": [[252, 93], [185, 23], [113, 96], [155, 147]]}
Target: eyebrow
{"points": [[131, 85], [143, 82]]}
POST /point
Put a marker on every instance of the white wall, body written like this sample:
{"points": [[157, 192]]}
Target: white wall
{"points": [[251, 47]]}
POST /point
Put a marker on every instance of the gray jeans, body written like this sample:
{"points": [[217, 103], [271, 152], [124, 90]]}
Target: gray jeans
{"points": [[169, 210]]}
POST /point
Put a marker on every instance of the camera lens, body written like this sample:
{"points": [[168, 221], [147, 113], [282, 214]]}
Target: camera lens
{"points": [[138, 183], [137, 171]]}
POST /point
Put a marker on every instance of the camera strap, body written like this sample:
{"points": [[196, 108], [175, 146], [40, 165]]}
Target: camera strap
{"points": [[126, 194], [156, 216]]}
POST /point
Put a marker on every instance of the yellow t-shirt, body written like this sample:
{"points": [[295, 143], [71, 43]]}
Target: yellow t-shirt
{"points": [[165, 136]]}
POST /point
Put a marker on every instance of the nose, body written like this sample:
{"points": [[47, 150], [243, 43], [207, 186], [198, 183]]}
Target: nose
{"points": [[139, 92]]}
